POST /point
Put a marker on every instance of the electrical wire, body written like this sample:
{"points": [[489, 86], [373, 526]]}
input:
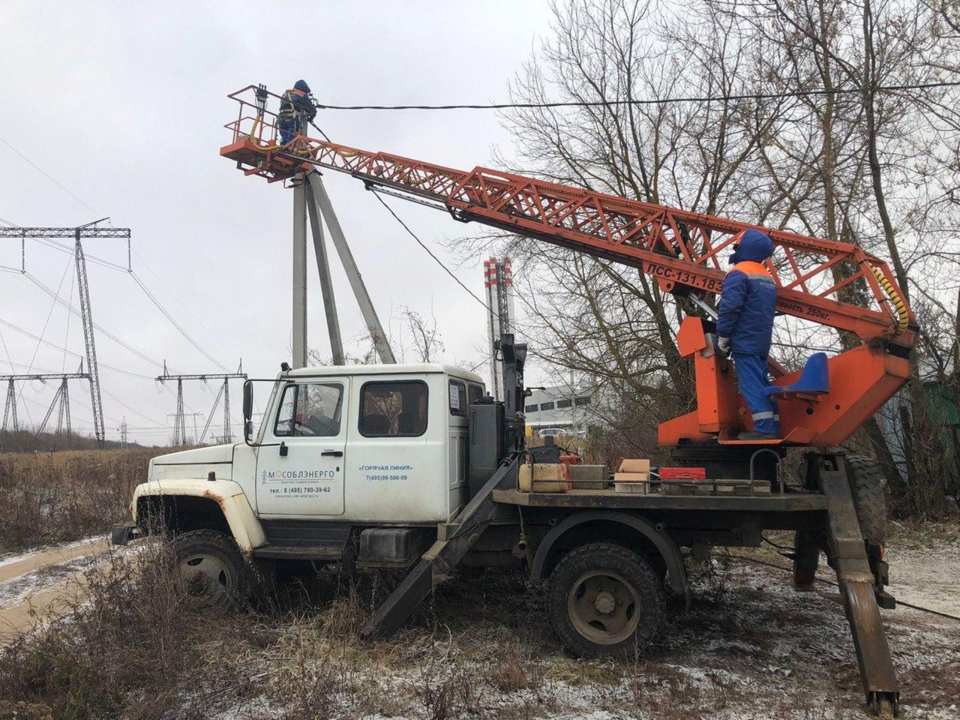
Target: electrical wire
{"points": [[47, 176], [429, 252], [46, 323], [177, 325], [98, 327], [66, 337], [836, 584], [60, 247], [29, 334], [773, 544], [661, 101], [176, 297]]}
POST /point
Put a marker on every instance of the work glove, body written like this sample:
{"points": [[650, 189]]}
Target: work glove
{"points": [[723, 345]]}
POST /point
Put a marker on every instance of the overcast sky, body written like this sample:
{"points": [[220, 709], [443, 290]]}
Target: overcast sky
{"points": [[123, 104]]}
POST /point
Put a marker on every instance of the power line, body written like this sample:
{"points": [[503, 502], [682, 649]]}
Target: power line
{"points": [[661, 101], [177, 325], [29, 334], [429, 251], [46, 323], [54, 245], [99, 328], [176, 297], [47, 176]]}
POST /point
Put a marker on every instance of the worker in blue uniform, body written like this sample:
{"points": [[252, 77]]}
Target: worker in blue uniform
{"points": [[748, 304], [296, 107]]}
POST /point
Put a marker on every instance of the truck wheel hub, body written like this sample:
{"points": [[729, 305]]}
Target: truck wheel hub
{"points": [[605, 602], [203, 576], [604, 607]]}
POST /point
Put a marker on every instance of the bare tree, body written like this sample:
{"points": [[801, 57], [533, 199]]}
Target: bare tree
{"points": [[830, 155]]}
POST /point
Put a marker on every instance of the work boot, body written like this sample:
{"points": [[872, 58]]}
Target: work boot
{"points": [[756, 436]]}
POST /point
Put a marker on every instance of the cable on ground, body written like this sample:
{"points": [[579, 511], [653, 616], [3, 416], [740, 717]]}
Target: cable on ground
{"points": [[948, 616]]}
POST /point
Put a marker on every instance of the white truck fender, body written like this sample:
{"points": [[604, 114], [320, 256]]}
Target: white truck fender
{"points": [[244, 524]]}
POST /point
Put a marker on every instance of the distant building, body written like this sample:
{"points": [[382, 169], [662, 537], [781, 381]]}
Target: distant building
{"points": [[561, 407]]}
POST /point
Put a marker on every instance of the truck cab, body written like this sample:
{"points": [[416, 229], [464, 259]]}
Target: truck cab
{"points": [[339, 451], [365, 444]]}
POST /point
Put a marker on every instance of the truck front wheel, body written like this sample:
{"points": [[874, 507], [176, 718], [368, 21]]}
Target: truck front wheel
{"points": [[210, 567], [604, 599]]}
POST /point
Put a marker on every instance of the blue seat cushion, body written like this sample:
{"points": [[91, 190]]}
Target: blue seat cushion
{"points": [[814, 378]]}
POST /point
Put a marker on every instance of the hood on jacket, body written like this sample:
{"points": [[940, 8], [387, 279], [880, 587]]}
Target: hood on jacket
{"points": [[753, 246]]}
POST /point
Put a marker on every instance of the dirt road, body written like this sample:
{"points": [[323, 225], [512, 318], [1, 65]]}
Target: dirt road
{"points": [[33, 585]]}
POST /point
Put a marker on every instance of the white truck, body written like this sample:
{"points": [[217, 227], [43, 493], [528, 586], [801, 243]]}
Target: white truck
{"points": [[378, 452], [415, 467]]}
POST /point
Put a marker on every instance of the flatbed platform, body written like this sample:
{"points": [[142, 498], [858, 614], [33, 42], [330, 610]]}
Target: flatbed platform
{"points": [[593, 499]]}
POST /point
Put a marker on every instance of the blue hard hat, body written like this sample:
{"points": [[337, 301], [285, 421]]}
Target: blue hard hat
{"points": [[302, 86]]}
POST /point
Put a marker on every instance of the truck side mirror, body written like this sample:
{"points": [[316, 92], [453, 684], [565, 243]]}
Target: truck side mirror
{"points": [[247, 410]]}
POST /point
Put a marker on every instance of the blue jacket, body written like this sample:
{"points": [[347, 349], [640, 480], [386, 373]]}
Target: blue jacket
{"points": [[748, 299]]}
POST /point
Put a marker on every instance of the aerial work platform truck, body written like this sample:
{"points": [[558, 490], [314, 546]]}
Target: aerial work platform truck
{"points": [[417, 467]]}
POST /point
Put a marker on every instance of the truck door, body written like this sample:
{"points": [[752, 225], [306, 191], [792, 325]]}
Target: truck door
{"points": [[300, 467]]}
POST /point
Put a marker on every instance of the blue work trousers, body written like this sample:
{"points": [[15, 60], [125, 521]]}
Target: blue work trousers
{"points": [[288, 130], [754, 381]]}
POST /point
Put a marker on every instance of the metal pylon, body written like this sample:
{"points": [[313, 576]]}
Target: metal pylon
{"points": [[180, 421], [86, 314], [10, 411], [227, 431]]}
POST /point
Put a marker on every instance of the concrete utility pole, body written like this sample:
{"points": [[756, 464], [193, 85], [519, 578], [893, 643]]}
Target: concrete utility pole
{"points": [[326, 285], [310, 199], [299, 277]]}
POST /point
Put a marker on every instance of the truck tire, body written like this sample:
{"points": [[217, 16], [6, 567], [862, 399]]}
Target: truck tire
{"points": [[866, 486], [603, 599], [211, 568]]}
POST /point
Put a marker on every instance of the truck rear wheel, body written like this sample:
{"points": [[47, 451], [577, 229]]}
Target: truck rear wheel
{"points": [[604, 599], [866, 486], [210, 567]]}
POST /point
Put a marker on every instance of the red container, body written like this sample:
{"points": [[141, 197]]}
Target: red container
{"points": [[683, 473]]}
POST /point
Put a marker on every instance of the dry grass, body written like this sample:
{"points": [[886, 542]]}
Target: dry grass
{"points": [[479, 648], [482, 648], [64, 496]]}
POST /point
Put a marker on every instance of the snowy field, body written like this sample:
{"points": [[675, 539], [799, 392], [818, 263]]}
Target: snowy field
{"points": [[750, 647]]}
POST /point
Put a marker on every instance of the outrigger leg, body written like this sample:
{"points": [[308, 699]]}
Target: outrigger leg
{"points": [[453, 542], [860, 586]]}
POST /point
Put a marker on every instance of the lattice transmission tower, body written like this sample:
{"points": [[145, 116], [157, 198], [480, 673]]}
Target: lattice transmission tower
{"points": [[180, 423], [84, 232]]}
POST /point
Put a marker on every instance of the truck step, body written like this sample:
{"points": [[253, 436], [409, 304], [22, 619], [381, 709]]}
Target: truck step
{"points": [[327, 553]]}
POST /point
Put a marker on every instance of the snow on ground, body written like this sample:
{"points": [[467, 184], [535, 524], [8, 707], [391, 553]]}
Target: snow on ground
{"points": [[751, 647], [15, 591], [35, 553]]}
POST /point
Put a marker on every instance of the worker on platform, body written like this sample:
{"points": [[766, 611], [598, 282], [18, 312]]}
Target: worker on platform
{"points": [[296, 108], [745, 328]]}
